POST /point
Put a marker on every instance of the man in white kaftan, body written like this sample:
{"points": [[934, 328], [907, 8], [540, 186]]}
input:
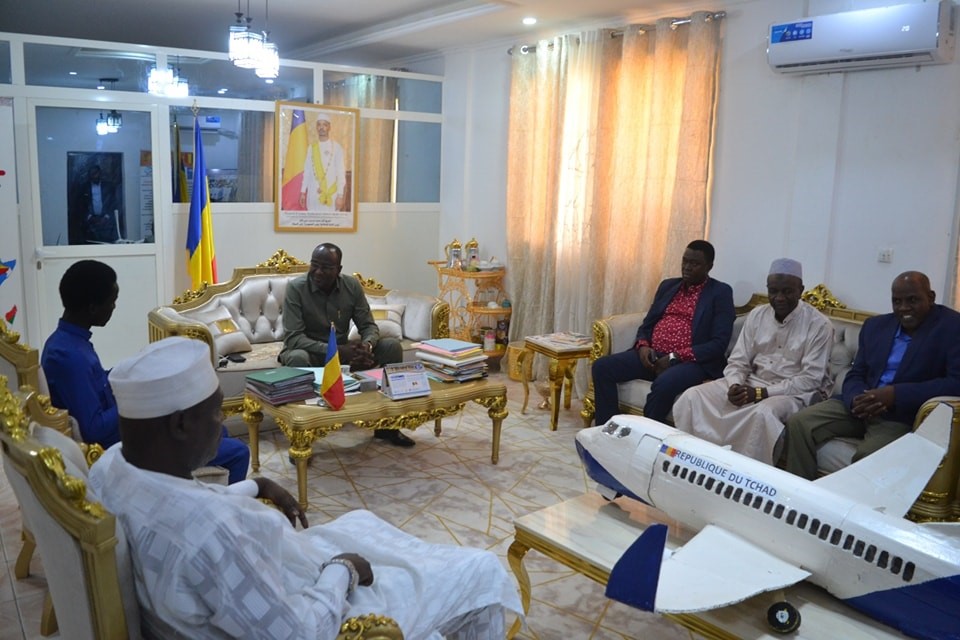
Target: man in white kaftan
{"points": [[324, 172], [778, 366], [210, 561]]}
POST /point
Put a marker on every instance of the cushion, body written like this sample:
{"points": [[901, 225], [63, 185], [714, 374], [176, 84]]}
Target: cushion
{"points": [[226, 334], [389, 319]]}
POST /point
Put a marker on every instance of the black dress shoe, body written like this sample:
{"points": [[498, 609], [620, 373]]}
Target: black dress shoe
{"points": [[394, 437]]}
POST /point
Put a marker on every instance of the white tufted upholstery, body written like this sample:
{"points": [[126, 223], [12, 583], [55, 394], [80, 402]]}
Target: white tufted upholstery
{"points": [[254, 299]]}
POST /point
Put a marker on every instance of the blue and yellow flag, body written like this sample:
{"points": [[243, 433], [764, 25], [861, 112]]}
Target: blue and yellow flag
{"points": [[331, 388], [201, 257]]}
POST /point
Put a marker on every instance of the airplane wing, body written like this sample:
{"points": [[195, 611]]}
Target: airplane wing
{"points": [[891, 479], [714, 569]]}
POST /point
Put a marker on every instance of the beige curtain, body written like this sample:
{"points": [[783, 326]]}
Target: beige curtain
{"points": [[375, 155], [608, 169], [255, 164]]}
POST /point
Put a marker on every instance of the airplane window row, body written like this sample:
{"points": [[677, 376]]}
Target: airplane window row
{"points": [[859, 548]]}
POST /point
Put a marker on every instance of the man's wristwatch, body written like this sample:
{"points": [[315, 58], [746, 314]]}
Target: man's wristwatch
{"points": [[354, 574], [672, 358]]}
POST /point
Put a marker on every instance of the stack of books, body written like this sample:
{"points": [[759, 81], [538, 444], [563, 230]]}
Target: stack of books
{"points": [[451, 360], [281, 385]]}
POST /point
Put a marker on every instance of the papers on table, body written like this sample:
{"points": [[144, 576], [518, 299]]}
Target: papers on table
{"points": [[562, 341]]}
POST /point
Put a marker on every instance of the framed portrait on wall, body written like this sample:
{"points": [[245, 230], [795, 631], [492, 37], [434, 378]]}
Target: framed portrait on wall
{"points": [[316, 169], [95, 212]]}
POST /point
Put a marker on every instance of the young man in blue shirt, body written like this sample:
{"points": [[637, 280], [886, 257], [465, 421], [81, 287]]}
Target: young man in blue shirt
{"points": [[77, 380]]}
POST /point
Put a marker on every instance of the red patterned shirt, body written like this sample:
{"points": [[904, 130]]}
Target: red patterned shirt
{"points": [[674, 331]]}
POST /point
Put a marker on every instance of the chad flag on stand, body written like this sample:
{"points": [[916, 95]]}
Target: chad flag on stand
{"points": [[201, 258], [293, 161], [332, 386]]}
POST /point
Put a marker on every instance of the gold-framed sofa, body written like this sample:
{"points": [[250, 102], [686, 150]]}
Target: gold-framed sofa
{"points": [[941, 498], [253, 298]]}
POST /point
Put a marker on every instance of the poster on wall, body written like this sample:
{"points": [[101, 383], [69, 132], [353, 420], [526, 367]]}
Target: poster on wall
{"points": [[316, 167], [11, 276], [95, 212]]}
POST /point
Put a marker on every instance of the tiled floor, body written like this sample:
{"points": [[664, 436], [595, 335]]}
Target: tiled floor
{"points": [[442, 490]]}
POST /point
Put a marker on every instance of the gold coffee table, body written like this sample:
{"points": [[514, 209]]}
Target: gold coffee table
{"points": [[304, 424], [589, 534]]}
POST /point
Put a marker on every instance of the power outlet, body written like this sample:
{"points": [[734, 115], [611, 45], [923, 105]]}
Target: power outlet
{"points": [[885, 255]]}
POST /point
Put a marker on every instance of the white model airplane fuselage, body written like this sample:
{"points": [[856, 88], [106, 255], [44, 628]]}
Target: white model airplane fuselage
{"points": [[761, 528]]}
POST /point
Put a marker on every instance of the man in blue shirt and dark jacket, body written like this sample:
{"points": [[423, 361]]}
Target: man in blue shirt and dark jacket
{"points": [[78, 382]]}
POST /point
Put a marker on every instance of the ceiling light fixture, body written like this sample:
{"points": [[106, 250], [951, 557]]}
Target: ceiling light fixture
{"points": [[102, 125], [114, 121], [246, 45], [529, 21], [168, 82], [268, 66]]}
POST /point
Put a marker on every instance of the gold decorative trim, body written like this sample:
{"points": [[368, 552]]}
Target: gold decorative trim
{"points": [[11, 337], [368, 283], [91, 452], [370, 627], [282, 262], [13, 420], [821, 298], [191, 294]]}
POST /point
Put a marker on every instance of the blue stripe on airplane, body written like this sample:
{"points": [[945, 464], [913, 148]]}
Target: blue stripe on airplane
{"points": [[926, 610], [602, 476]]}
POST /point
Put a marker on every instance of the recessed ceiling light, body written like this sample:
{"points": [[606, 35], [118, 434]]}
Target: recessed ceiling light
{"points": [[101, 87], [529, 20], [73, 73], [221, 91], [269, 80]]}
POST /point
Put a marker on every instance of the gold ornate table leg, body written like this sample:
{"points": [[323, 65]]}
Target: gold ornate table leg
{"points": [[525, 365], [497, 410], [301, 448], [558, 375], [570, 369], [253, 417], [515, 557]]}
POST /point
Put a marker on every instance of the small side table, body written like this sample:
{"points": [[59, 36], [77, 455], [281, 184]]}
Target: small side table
{"points": [[565, 356]]}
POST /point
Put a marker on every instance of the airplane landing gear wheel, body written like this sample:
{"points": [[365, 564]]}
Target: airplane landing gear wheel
{"points": [[783, 617]]}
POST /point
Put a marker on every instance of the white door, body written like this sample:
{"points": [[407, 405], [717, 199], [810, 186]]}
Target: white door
{"points": [[69, 220]]}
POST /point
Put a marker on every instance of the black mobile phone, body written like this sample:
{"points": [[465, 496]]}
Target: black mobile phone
{"points": [[236, 357]]}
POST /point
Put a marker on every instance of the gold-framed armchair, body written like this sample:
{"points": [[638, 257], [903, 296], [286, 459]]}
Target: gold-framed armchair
{"points": [[88, 569]]}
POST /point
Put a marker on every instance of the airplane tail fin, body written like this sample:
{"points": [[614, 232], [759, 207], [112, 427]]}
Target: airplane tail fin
{"points": [[633, 580], [892, 478]]}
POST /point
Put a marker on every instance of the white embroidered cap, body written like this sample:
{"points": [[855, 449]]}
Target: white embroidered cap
{"points": [[166, 376], [786, 267], [322, 116]]}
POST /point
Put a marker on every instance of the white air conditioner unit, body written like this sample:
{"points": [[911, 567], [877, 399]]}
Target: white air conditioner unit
{"points": [[898, 36], [207, 123]]}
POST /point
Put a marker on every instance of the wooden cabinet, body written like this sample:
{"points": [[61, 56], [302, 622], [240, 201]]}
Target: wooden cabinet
{"points": [[470, 294]]}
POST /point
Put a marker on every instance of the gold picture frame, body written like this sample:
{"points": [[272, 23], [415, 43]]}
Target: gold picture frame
{"points": [[316, 172]]}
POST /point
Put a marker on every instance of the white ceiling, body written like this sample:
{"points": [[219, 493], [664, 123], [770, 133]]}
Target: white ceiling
{"points": [[360, 32]]}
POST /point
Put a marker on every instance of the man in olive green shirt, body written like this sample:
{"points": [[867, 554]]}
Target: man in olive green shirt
{"points": [[323, 297]]}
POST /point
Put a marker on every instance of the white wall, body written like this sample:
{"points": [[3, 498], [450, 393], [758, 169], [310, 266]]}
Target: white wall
{"points": [[473, 185], [829, 169], [826, 169]]}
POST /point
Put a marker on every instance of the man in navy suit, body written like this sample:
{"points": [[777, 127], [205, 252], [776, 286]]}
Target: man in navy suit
{"points": [[682, 341], [903, 359]]}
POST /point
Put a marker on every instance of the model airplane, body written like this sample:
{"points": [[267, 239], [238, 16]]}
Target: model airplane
{"points": [[762, 529]]}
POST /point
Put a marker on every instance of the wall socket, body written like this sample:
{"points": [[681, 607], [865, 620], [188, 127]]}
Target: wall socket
{"points": [[885, 255]]}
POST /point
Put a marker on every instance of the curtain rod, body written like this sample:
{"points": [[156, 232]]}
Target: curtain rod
{"points": [[642, 28]]}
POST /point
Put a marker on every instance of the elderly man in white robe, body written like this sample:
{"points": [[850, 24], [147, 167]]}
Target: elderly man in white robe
{"points": [[778, 366], [212, 562]]}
